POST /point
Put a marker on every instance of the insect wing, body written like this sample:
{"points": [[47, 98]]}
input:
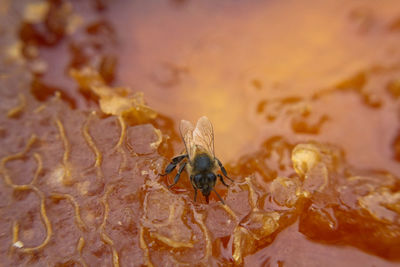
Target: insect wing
{"points": [[203, 135], [186, 128]]}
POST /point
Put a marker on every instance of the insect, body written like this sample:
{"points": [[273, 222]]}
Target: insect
{"points": [[200, 161]]}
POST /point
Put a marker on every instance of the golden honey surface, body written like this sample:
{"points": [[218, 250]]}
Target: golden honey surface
{"points": [[304, 101]]}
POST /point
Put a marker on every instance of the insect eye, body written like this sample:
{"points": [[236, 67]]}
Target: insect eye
{"points": [[211, 177], [197, 179]]}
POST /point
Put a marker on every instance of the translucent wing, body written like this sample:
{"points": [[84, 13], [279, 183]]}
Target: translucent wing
{"points": [[186, 128], [203, 135]]}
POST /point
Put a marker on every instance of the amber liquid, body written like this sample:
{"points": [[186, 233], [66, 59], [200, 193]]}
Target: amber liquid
{"points": [[303, 97]]}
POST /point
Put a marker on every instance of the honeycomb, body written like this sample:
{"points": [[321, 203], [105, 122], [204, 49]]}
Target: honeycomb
{"points": [[80, 168]]}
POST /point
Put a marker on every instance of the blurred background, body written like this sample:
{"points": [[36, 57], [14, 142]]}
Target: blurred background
{"points": [[305, 70]]}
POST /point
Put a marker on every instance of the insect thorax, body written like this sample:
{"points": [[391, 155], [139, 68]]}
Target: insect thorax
{"points": [[203, 162]]}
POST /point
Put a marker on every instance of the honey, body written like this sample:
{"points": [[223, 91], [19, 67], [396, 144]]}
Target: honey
{"points": [[303, 97]]}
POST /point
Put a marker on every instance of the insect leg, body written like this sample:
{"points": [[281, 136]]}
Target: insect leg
{"points": [[171, 166], [220, 198], [195, 194], [194, 187], [222, 180], [179, 158], [178, 174], [223, 170]]}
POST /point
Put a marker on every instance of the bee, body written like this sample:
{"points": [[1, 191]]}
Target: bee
{"points": [[199, 161]]}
